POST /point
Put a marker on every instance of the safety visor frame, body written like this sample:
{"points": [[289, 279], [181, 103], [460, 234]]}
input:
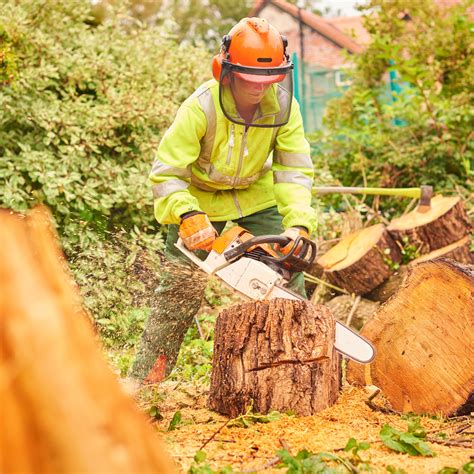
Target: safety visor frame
{"points": [[229, 68]]}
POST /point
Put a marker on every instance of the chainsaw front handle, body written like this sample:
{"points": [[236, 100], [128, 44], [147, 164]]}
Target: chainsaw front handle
{"points": [[294, 262], [194, 258]]}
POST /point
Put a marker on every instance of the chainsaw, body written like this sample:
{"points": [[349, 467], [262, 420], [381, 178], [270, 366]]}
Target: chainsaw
{"points": [[250, 266]]}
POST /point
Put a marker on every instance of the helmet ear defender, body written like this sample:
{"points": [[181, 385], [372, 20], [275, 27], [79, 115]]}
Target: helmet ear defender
{"points": [[285, 45], [225, 44], [224, 54]]}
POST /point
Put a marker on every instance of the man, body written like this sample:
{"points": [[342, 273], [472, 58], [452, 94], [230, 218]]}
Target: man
{"points": [[236, 151]]}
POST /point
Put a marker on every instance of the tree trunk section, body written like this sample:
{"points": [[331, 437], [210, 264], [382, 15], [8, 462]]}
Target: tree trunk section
{"points": [[274, 355], [361, 261], [389, 287], [458, 251], [445, 223], [62, 407], [424, 336]]}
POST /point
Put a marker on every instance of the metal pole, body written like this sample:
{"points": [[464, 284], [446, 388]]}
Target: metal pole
{"points": [[302, 76], [296, 78]]}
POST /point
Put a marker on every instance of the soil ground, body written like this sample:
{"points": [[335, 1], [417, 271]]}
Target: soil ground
{"points": [[254, 448]]}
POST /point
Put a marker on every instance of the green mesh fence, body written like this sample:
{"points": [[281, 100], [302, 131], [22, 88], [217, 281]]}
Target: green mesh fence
{"points": [[319, 86]]}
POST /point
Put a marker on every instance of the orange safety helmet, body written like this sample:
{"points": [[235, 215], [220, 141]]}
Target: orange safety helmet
{"points": [[253, 42]]}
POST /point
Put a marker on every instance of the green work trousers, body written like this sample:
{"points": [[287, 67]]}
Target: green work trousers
{"points": [[179, 295]]}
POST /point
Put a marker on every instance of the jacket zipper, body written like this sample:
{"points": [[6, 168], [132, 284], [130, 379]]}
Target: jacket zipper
{"points": [[231, 145], [236, 202], [243, 153]]}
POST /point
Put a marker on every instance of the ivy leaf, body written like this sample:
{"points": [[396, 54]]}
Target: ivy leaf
{"points": [[468, 467], [395, 470], [404, 442], [155, 413], [175, 421], [200, 456], [415, 428]]}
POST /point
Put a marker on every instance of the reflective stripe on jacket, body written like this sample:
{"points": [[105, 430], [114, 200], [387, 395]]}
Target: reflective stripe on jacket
{"points": [[206, 162]]}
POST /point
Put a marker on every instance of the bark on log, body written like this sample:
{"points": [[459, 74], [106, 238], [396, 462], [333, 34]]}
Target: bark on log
{"points": [[459, 251], [342, 305], [424, 336], [62, 408], [274, 355], [361, 261], [445, 223]]}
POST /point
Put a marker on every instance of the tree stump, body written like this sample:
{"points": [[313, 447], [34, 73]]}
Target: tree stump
{"points": [[445, 223], [274, 355], [424, 336], [62, 408], [361, 261], [458, 251]]}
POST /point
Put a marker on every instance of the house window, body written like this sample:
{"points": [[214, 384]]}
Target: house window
{"points": [[342, 79]]}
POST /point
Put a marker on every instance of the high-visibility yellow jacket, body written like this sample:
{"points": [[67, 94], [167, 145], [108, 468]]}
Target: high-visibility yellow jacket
{"points": [[206, 162]]}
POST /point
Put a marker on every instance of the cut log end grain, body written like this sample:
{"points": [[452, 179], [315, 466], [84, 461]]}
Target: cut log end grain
{"points": [[459, 251], [361, 261], [62, 407], [424, 337], [443, 224], [274, 355]]}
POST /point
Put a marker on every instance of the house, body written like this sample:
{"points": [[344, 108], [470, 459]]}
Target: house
{"points": [[325, 39], [320, 48]]}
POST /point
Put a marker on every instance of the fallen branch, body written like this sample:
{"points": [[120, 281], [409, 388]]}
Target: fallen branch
{"points": [[318, 281], [460, 443], [353, 310], [215, 434], [272, 462], [385, 410]]}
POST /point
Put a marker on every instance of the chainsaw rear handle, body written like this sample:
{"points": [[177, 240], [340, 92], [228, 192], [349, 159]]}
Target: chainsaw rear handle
{"points": [[294, 262]]}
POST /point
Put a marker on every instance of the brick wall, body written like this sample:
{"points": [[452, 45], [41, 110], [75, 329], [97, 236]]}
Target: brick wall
{"points": [[318, 50]]}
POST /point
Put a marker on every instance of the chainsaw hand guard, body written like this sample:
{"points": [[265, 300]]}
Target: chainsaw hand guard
{"points": [[291, 261]]}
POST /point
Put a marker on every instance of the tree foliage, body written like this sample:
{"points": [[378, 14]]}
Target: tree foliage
{"points": [[421, 129], [195, 22], [79, 126], [7, 59]]}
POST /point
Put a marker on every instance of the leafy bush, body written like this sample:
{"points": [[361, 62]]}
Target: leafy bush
{"points": [[420, 132], [78, 127], [7, 59], [194, 361]]}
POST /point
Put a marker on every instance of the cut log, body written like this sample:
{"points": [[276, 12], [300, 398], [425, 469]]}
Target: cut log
{"points": [[459, 251], [362, 310], [274, 355], [389, 287], [424, 336], [62, 408], [361, 261], [445, 223]]}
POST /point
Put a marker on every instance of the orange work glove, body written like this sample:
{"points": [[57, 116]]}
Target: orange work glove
{"points": [[197, 231], [293, 233]]}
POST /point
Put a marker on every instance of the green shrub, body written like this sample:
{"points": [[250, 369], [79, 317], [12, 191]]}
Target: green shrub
{"points": [[77, 132]]}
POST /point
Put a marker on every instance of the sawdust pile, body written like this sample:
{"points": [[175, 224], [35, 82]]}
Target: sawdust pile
{"points": [[250, 449]]}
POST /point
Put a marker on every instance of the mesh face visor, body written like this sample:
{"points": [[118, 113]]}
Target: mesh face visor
{"points": [[256, 97]]}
